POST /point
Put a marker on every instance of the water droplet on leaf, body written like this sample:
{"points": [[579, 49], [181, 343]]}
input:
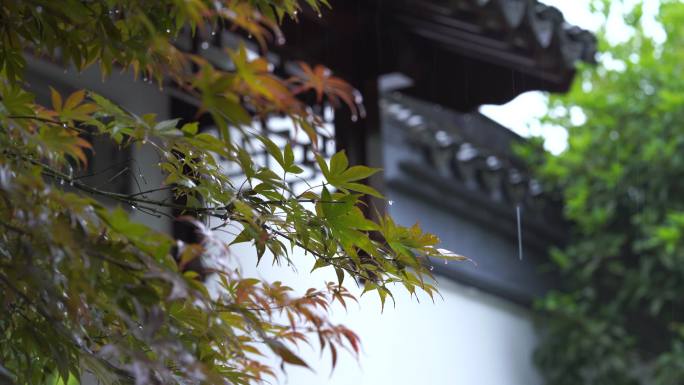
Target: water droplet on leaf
{"points": [[358, 98]]}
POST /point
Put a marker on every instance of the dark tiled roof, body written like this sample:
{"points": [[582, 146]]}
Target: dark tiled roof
{"points": [[470, 155], [523, 33]]}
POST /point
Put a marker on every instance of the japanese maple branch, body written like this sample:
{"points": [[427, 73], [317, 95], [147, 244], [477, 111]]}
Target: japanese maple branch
{"points": [[213, 211], [48, 121], [329, 260]]}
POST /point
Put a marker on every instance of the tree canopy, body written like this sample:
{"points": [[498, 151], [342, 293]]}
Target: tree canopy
{"points": [[618, 317], [84, 289]]}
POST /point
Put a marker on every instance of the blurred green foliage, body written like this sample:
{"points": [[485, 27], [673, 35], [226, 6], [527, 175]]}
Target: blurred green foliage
{"points": [[618, 318]]}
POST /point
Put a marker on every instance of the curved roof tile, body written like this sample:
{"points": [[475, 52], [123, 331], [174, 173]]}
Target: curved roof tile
{"points": [[528, 25]]}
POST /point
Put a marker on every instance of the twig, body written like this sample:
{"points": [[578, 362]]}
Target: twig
{"points": [[151, 191], [318, 255], [49, 121], [103, 170], [14, 228]]}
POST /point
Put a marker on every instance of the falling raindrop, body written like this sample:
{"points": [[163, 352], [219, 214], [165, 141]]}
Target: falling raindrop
{"points": [[432, 268], [517, 214], [61, 181], [358, 98], [145, 79], [249, 36], [213, 33], [168, 30], [446, 261], [133, 207], [390, 202], [204, 45], [320, 15], [64, 125]]}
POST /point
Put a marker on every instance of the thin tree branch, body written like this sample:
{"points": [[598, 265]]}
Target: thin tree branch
{"points": [[151, 191], [103, 170], [48, 121], [14, 228], [318, 255]]}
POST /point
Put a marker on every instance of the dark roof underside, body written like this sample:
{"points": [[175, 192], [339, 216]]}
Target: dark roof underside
{"points": [[459, 53]]}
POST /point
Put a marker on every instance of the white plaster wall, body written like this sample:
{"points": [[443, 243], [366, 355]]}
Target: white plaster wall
{"points": [[466, 338]]}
